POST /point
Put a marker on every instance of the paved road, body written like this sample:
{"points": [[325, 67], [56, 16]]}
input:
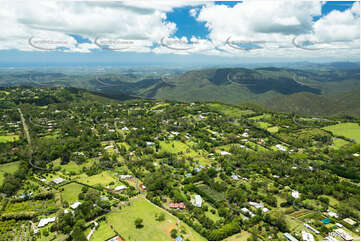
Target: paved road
{"points": [[26, 129]]}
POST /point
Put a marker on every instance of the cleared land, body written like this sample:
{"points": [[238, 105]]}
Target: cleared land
{"points": [[8, 168], [123, 222], [348, 130]]}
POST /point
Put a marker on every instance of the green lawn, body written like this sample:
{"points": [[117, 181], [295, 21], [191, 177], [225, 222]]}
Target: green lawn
{"points": [[242, 236], [348, 130], [263, 125], [8, 138], [72, 166], [8, 168], [230, 111], [338, 143], [102, 233], [103, 178], [273, 129], [176, 146], [123, 223], [71, 192]]}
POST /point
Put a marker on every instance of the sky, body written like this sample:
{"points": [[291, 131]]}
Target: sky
{"points": [[174, 31]]}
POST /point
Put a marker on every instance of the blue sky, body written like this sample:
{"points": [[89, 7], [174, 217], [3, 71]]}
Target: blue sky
{"points": [[179, 32]]}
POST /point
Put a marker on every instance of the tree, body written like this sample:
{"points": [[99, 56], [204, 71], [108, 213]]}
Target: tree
{"points": [[173, 233], [139, 223]]}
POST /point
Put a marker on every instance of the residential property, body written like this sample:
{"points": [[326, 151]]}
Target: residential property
{"points": [[58, 180], [177, 205], [295, 194], [225, 153], [349, 221], [342, 233], [311, 228], [44, 221], [289, 237], [307, 236], [75, 205], [197, 202], [125, 177], [280, 147], [120, 188]]}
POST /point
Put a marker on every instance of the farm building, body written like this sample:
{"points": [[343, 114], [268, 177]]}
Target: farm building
{"points": [[342, 233], [349, 221], [120, 188], [307, 236]]}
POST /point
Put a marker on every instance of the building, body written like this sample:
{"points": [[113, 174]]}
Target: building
{"points": [[75, 205], [349, 221], [197, 202], [58, 180], [307, 236], [120, 188], [295, 194], [326, 221], [177, 205], [289, 237], [225, 153], [45, 221], [125, 177], [311, 228], [342, 233], [280, 147]]}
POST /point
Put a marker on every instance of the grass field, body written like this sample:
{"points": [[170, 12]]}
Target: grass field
{"points": [[175, 147], [123, 223], [242, 236], [8, 168], [217, 196], [8, 138], [103, 178], [273, 129], [102, 233], [338, 143], [71, 192], [72, 166], [263, 125], [348, 130], [230, 111]]}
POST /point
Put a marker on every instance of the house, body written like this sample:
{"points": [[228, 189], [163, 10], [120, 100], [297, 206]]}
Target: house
{"points": [[330, 238], [57, 181], [125, 177], [142, 187], [350, 221], [256, 205], [245, 135], [177, 205], [339, 225], [108, 147], [150, 143], [119, 188], [116, 238], [289, 237], [295, 194], [280, 147], [75, 205], [307, 236], [225, 153], [235, 177], [311, 228], [45, 221], [342, 233], [125, 129], [179, 238], [197, 202]]}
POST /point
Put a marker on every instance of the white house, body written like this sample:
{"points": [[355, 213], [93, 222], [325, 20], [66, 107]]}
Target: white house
{"points": [[295, 194], [58, 180], [197, 202], [119, 188], [307, 236], [45, 221], [280, 147], [342, 233], [225, 153], [75, 205]]}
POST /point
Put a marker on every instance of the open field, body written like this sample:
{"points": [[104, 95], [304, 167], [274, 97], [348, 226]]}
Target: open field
{"points": [[8, 138], [71, 192], [230, 111], [242, 236], [102, 233], [123, 222], [8, 168], [348, 130], [103, 178]]}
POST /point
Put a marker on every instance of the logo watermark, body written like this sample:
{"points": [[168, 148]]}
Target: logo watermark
{"points": [[47, 44], [113, 44]]}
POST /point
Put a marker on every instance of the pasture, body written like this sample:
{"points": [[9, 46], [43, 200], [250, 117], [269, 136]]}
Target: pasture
{"points": [[123, 223], [348, 130]]}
